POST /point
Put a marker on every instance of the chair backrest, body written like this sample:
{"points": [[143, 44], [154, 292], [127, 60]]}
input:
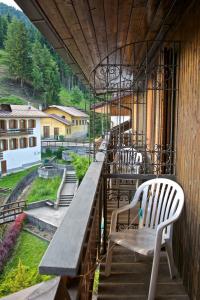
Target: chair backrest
{"points": [[128, 156], [160, 200]]}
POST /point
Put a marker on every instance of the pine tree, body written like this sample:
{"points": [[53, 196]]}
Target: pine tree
{"points": [[3, 30], [45, 74], [18, 51]]}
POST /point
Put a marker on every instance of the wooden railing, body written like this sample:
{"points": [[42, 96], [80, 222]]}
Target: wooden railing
{"points": [[76, 244], [8, 212]]}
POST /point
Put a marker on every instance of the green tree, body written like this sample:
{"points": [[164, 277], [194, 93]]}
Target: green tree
{"points": [[18, 51], [76, 95], [3, 30], [45, 74]]}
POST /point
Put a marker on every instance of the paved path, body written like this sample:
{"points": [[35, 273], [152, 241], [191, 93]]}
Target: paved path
{"points": [[48, 215]]}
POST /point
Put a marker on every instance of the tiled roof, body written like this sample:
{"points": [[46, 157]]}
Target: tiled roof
{"points": [[19, 111], [71, 111], [60, 119]]}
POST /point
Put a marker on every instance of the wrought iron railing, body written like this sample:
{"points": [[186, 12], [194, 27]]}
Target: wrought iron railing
{"points": [[82, 235]]}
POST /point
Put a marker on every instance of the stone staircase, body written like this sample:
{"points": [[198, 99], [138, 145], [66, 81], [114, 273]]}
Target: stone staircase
{"points": [[70, 178], [65, 200], [130, 278], [68, 191]]}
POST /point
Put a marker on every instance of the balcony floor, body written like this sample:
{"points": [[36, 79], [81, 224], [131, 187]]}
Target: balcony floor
{"points": [[130, 279]]}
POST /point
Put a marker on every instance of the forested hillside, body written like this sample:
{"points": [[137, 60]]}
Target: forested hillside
{"points": [[30, 70]]}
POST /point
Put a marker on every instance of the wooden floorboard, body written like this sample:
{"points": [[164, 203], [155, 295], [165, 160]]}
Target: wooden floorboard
{"points": [[130, 276]]}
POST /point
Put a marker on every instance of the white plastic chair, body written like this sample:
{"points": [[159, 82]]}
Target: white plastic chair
{"points": [[129, 160], [161, 203]]}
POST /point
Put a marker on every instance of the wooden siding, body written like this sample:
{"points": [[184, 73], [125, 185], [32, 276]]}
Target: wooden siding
{"points": [[187, 231]]}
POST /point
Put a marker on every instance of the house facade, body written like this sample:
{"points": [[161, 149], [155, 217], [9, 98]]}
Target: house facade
{"points": [[20, 138], [63, 121]]}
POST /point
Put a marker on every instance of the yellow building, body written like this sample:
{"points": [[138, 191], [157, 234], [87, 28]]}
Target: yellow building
{"points": [[68, 122]]}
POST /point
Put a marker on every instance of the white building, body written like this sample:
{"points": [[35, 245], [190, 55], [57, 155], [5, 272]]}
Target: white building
{"points": [[20, 137]]}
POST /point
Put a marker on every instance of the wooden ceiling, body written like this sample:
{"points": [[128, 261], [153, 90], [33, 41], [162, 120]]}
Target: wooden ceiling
{"points": [[84, 32]]}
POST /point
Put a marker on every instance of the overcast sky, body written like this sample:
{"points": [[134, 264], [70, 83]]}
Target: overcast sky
{"points": [[11, 3]]}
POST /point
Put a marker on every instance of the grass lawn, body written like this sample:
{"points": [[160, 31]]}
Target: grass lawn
{"points": [[11, 180], [29, 250], [66, 99], [43, 189], [13, 100]]}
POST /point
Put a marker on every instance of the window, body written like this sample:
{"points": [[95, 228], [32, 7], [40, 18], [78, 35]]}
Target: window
{"points": [[79, 122], [23, 142], [13, 144], [46, 131], [3, 124], [76, 122], [56, 132], [13, 124], [22, 124], [31, 123], [32, 141], [3, 145], [73, 122]]}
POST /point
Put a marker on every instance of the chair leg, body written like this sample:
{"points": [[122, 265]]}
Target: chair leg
{"points": [[108, 259], [154, 275], [170, 258]]}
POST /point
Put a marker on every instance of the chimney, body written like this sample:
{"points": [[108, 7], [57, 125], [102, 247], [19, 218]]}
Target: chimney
{"points": [[29, 105]]}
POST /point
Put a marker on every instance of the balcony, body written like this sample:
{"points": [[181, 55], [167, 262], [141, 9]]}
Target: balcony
{"points": [[15, 132], [79, 245]]}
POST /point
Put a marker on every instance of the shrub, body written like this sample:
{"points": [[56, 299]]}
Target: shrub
{"points": [[61, 138], [58, 153], [20, 278], [48, 152], [10, 239], [81, 164]]}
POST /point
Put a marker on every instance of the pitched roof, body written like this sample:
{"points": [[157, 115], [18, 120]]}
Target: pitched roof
{"points": [[71, 111], [59, 119], [21, 111]]}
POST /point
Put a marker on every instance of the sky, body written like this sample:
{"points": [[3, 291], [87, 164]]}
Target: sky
{"points": [[11, 3]]}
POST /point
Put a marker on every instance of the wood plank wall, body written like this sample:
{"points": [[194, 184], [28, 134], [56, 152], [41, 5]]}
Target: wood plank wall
{"points": [[187, 231]]}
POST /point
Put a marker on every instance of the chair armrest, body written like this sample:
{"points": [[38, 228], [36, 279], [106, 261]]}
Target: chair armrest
{"points": [[160, 229], [116, 212], [164, 224]]}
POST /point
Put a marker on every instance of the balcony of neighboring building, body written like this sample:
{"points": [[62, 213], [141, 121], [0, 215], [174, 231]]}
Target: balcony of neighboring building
{"points": [[17, 127]]}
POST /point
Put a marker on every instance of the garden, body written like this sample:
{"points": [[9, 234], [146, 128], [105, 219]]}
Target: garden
{"points": [[20, 255], [43, 189]]}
